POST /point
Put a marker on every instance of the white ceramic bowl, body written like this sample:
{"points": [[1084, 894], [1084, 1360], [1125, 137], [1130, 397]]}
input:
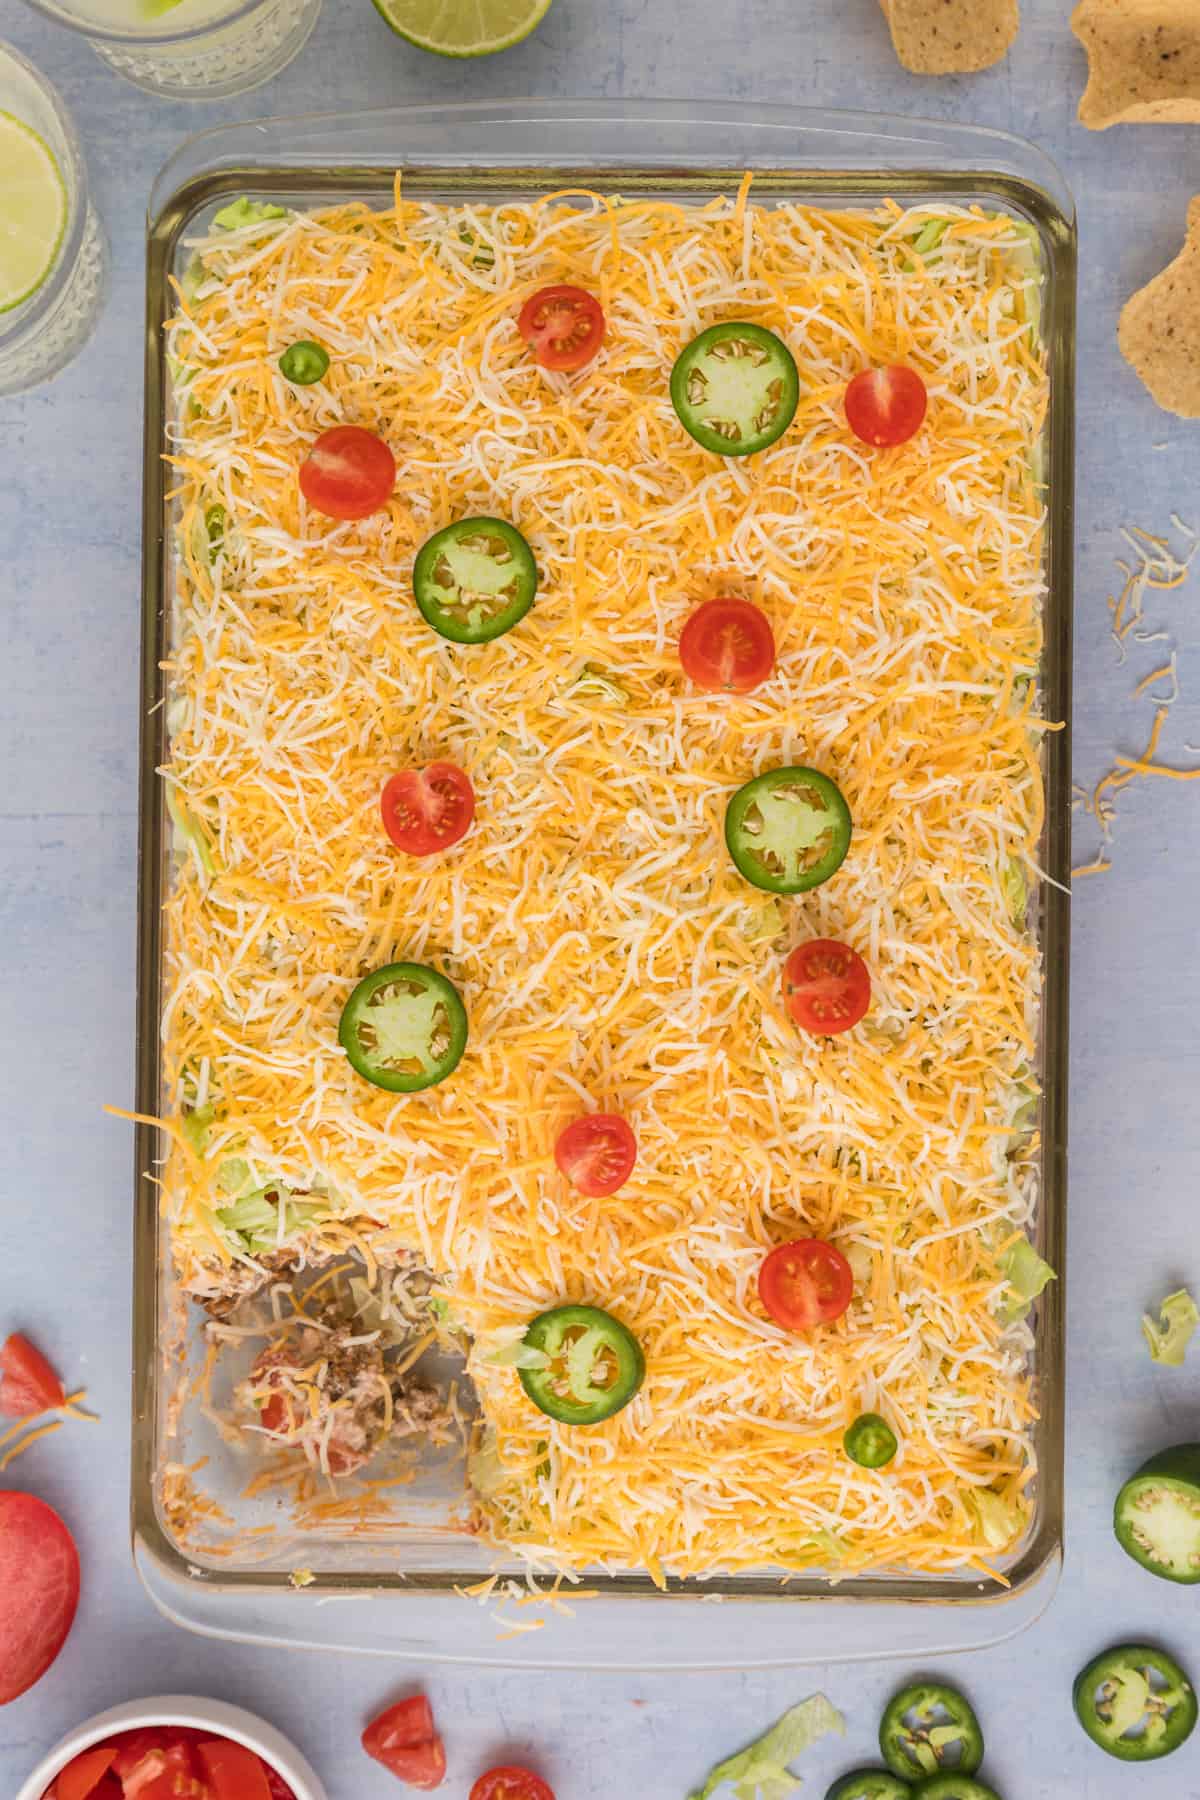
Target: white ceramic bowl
{"points": [[182, 1709]]}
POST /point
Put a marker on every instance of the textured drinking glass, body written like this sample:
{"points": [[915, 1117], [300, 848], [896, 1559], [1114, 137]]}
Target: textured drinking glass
{"points": [[41, 333], [192, 49]]}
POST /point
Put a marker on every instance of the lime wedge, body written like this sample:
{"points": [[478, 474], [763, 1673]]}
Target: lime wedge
{"points": [[33, 211], [463, 27]]}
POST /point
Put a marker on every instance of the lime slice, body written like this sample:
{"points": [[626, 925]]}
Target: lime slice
{"points": [[33, 211], [463, 27]]}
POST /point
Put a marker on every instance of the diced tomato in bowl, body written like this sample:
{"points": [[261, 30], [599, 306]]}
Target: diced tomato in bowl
{"points": [[174, 1749]]}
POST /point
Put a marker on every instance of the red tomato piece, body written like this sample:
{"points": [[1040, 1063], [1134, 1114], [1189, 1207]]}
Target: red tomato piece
{"points": [[27, 1382], [278, 1786], [426, 810], [348, 473], [886, 406], [84, 1773], [232, 1771], [565, 326], [511, 1783], [826, 986], [805, 1283], [276, 1415], [161, 1770], [596, 1153], [727, 646], [404, 1740], [39, 1590]]}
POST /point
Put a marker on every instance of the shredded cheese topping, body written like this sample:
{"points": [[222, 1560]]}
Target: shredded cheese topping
{"points": [[609, 954]]}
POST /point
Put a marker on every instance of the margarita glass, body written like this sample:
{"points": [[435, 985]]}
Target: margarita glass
{"points": [[52, 254], [190, 49]]}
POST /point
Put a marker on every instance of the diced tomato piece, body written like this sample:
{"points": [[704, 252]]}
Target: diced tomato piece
{"points": [[84, 1773], [27, 1382], [39, 1590], [278, 1786], [159, 1770], [404, 1740], [511, 1783], [233, 1772]]}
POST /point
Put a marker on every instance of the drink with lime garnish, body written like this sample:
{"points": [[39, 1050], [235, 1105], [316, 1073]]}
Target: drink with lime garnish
{"points": [[190, 49], [52, 254]]}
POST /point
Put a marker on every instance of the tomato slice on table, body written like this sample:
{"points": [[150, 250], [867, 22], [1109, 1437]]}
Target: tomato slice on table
{"points": [[348, 473], [232, 1771], [27, 1382], [511, 1783], [39, 1590], [84, 1773], [427, 810], [805, 1283], [564, 325], [886, 406], [596, 1153], [404, 1740], [826, 986], [727, 646]]}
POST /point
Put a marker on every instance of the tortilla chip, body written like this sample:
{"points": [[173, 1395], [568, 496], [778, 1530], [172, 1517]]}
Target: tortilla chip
{"points": [[1159, 332], [1143, 62], [951, 37]]}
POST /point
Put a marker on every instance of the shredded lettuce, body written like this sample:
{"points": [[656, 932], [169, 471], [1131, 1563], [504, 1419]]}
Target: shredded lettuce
{"points": [[930, 236], [1169, 1338], [485, 1471], [255, 1217], [517, 1355], [240, 213], [1015, 887], [760, 1771], [1026, 1274], [485, 255], [234, 1175], [999, 1520], [595, 682], [190, 833], [195, 1126], [758, 923]]}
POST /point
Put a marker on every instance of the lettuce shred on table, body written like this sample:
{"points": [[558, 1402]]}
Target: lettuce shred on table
{"points": [[760, 1771], [1169, 1338]]}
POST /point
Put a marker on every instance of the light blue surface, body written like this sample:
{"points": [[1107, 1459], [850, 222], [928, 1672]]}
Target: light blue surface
{"points": [[69, 524]]}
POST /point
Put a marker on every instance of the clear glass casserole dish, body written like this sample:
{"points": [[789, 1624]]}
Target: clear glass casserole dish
{"points": [[396, 1586]]}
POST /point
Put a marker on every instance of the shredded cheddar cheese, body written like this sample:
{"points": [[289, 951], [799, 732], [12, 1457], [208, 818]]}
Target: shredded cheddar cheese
{"points": [[607, 950]]}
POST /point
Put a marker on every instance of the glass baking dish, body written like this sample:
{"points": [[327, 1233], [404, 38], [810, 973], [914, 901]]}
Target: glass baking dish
{"points": [[396, 1587]]}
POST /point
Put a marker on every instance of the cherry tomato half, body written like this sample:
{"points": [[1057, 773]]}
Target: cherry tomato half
{"points": [[805, 1283], [886, 406], [426, 810], [403, 1739], [511, 1783], [39, 1590], [727, 646], [596, 1153], [27, 1382], [826, 986], [348, 473], [564, 325]]}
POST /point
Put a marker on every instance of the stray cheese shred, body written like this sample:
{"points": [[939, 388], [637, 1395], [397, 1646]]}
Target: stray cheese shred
{"points": [[608, 952]]}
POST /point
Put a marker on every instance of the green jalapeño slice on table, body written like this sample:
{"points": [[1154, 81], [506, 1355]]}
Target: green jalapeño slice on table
{"points": [[475, 580], [788, 830], [930, 1729], [1135, 1702], [404, 1028], [735, 388], [593, 1364]]}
